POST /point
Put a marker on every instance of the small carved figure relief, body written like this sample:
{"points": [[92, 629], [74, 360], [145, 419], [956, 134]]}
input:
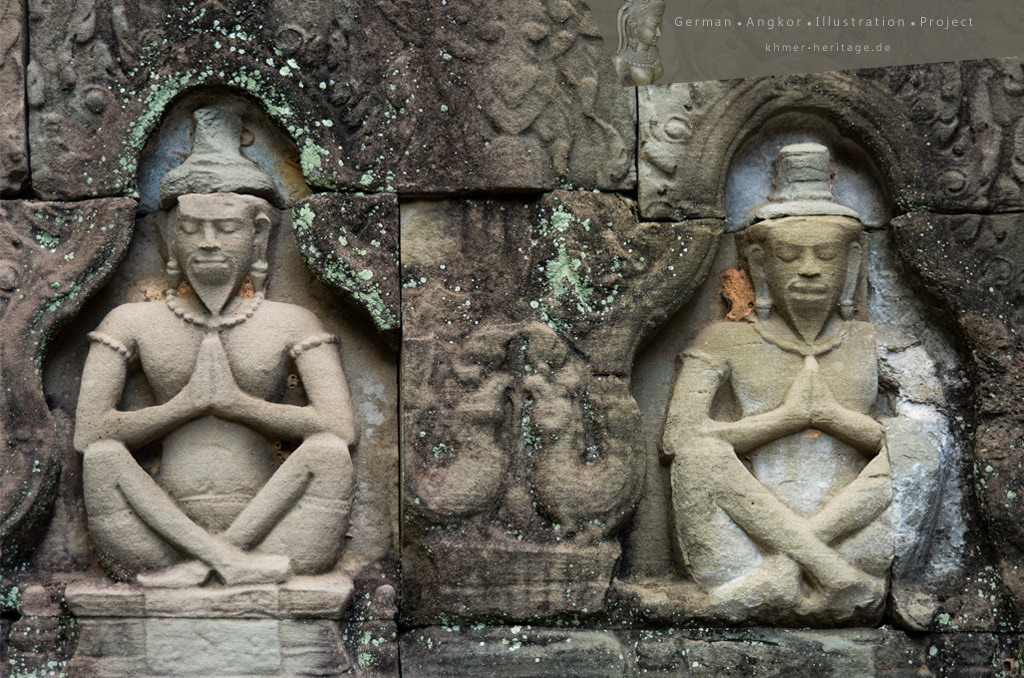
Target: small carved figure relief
{"points": [[780, 474], [636, 58], [217, 356]]}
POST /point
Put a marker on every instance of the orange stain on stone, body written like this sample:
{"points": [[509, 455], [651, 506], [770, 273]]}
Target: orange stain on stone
{"points": [[735, 286]]}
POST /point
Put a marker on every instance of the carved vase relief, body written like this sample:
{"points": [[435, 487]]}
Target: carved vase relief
{"points": [[638, 25]]}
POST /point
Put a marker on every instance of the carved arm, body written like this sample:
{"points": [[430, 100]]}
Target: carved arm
{"points": [[98, 418]]}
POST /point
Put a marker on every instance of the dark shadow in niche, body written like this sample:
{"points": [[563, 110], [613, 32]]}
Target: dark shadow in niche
{"points": [[920, 378]]}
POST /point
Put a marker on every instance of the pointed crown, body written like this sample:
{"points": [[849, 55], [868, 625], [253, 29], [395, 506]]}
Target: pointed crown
{"points": [[216, 164]]}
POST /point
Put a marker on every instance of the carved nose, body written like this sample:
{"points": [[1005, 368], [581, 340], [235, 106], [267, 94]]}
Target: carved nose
{"points": [[209, 241], [810, 267]]}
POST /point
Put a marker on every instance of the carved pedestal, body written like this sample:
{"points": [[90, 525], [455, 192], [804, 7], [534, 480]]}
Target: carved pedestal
{"points": [[515, 580], [264, 630]]}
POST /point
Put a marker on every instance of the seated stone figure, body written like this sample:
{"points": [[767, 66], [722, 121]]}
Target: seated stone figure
{"points": [[780, 474], [217, 363]]}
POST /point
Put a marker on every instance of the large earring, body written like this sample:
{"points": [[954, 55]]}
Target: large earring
{"points": [[261, 239], [258, 275], [173, 274], [762, 300], [853, 261]]}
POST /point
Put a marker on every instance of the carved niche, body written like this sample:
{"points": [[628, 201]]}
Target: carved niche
{"points": [[235, 455], [804, 449]]}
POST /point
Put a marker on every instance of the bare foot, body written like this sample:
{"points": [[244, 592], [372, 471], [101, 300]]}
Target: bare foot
{"points": [[255, 568], [863, 593], [775, 583], [182, 575]]}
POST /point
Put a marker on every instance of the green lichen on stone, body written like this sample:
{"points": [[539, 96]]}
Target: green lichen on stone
{"points": [[302, 219], [530, 436], [311, 157], [165, 88], [564, 277], [337, 273], [46, 240], [11, 599]]}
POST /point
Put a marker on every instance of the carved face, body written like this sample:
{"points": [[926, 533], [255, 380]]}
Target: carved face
{"points": [[650, 29], [211, 236], [805, 266]]}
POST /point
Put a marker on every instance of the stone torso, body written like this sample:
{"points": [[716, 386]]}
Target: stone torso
{"points": [[213, 467], [808, 468]]}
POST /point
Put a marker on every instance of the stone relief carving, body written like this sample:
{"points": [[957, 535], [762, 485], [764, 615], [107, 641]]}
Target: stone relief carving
{"points": [[217, 361], [13, 148], [521, 434], [53, 256], [780, 473], [638, 25], [419, 108], [953, 145]]}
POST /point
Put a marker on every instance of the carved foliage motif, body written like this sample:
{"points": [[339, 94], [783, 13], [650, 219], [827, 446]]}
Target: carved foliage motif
{"points": [[53, 256], [364, 114], [13, 150], [957, 133], [969, 116]]}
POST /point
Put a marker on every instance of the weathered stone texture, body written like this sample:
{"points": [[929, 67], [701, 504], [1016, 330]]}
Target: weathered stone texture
{"points": [[520, 323], [973, 264], [13, 146], [53, 256], [351, 243], [260, 630], [522, 651], [441, 99], [948, 136]]}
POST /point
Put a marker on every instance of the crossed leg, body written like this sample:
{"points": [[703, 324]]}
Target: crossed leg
{"points": [[708, 476], [296, 521]]}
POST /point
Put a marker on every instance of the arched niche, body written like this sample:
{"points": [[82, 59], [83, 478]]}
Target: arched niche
{"points": [[692, 133], [263, 142], [919, 368], [370, 365]]}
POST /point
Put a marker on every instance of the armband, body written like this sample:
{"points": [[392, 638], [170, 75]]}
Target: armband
{"points": [[316, 340], [111, 343]]}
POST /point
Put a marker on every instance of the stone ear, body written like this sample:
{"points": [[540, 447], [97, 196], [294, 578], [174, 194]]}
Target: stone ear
{"points": [[762, 299], [853, 262], [261, 242], [172, 266], [261, 239]]}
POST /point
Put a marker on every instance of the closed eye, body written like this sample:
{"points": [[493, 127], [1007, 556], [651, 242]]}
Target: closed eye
{"points": [[826, 252], [785, 253]]}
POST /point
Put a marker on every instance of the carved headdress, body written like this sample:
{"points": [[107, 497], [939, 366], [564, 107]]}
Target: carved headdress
{"points": [[630, 15], [802, 185], [802, 189], [216, 164]]}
